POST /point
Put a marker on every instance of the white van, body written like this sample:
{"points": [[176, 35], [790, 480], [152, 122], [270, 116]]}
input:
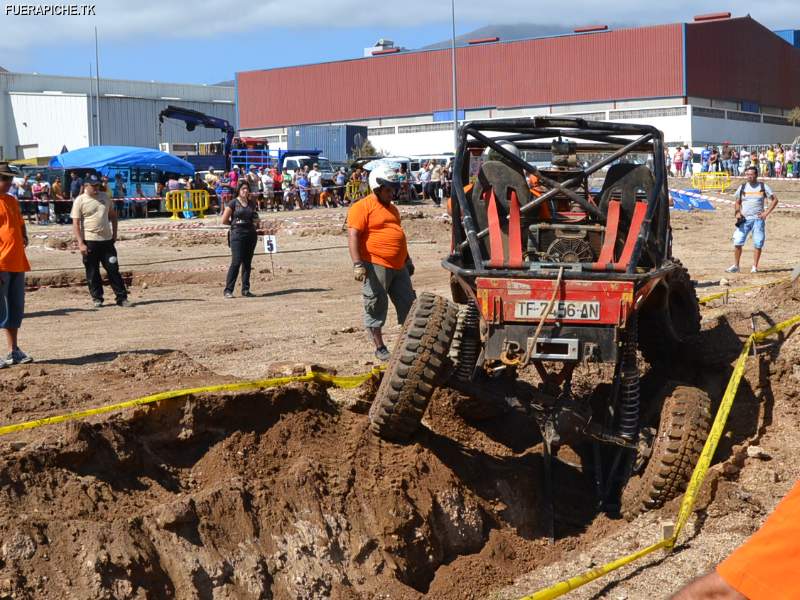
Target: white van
{"points": [[294, 162]]}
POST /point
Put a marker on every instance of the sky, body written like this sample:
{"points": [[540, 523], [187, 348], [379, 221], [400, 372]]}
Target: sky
{"points": [[204, 41]]}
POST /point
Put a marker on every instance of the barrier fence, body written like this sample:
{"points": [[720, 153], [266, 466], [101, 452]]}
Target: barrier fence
{"points": [[187, 201], [692, 489], [714, 180]]}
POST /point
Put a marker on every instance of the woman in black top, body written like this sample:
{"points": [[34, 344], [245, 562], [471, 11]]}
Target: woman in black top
{"points": [[242, 215]]}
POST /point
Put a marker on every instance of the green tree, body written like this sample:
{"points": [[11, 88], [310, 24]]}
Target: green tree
{"points": [[366, 149], [794, 116]]}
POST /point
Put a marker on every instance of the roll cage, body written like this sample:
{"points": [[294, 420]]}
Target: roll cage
{"points": [[613, 140]]}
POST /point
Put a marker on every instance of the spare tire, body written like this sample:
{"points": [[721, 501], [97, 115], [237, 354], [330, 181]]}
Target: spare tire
{"points": [[418, 362]]}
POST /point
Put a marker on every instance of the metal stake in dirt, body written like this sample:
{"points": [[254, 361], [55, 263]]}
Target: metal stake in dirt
{"points": [[271, 247]]}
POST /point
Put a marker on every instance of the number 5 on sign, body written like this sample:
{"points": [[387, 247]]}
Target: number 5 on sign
{"points": [[270, 244]]}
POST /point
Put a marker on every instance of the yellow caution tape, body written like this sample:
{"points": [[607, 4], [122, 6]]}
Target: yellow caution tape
{"points": [[341, 381], [561, 588], [698, 476], [718, 295]]}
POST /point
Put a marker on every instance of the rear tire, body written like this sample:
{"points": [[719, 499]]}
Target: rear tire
{"points": [[669, 321], [478, 398], [418, 362], [682, 431]]}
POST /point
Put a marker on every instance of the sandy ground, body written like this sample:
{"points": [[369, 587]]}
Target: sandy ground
{"points": [[181, 332]]}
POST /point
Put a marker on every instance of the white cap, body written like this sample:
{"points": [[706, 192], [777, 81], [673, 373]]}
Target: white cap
{"points": [[383, 175]]}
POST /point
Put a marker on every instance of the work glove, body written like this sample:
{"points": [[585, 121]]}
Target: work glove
{"points": [[359, 271], [410, 266]]}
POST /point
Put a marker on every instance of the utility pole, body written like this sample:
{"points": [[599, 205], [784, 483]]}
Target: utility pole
{"points": [[455, 87], [97, 75], [91, 106]]}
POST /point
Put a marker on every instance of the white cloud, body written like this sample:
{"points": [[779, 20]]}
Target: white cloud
{"points": [[152, 20]]}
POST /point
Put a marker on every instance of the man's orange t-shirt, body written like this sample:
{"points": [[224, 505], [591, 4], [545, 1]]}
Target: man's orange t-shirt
{"points": [[382, 240], [12, 246], [766, 565]]}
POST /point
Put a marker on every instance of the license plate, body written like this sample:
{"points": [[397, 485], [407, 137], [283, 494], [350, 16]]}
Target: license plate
{"points": [[576, 311]]}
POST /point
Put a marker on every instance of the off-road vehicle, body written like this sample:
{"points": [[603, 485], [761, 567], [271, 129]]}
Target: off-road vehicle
{"points": [[562, 260]]}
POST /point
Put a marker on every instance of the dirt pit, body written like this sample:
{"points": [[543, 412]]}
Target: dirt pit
{"points": [[276, 494]]}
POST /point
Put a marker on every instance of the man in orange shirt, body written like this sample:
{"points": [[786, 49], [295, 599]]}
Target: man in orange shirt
{"points": [[765, 567], [380, 254], [13, 265]]}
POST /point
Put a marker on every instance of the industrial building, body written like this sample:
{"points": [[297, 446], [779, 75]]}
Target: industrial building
{"points": [[716, 78], [42, 114]]}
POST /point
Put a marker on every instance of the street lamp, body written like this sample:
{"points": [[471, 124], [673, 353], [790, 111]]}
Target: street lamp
{"points": [[455, 89]]}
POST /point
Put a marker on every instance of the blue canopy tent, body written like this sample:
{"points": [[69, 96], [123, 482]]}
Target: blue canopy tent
{"points": [[103, 158]]}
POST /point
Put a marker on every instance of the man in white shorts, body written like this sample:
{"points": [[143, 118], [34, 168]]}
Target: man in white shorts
{"points": [[751, 218]]}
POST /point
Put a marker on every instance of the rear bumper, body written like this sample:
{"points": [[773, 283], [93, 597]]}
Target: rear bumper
{"points": [[562, 343], [577, 302]]}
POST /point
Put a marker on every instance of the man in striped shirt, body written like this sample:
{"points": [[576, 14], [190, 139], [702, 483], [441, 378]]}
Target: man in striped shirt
{"points": [[751, 217]]}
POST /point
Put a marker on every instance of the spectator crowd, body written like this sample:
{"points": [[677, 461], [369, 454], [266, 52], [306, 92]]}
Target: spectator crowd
{"points": [[775, 160]]}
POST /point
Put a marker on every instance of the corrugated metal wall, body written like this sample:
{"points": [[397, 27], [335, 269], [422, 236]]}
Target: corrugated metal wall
{"points": [[46, 123], [336, 142], [28, 82], [134, 122], [131, 120], [629, 63], [740, 59]]}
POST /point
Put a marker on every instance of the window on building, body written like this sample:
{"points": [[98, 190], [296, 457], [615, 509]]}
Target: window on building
{"points": [[713, 113], [589, 116], [773, 120], [425, 127], [645, 113], [381, 130], [742, 116]]}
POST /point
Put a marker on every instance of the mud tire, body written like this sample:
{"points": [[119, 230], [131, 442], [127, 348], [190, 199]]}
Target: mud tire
{"points": [[669, 322], [477, 398], [682, 430], [418, 362]]}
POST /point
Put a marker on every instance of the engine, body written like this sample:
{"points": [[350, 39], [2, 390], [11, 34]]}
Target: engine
{"points": [[564, 243]]}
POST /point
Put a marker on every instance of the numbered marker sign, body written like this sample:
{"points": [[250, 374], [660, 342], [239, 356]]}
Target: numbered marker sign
{"points": [[270, 244]]}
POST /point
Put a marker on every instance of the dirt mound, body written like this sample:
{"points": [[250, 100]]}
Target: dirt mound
{"points": [[279, 494], [786, 293], [54, 387]]}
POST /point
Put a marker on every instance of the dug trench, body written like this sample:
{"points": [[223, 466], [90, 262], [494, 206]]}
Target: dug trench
{"points": [[285, 493], [276, 494]]}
